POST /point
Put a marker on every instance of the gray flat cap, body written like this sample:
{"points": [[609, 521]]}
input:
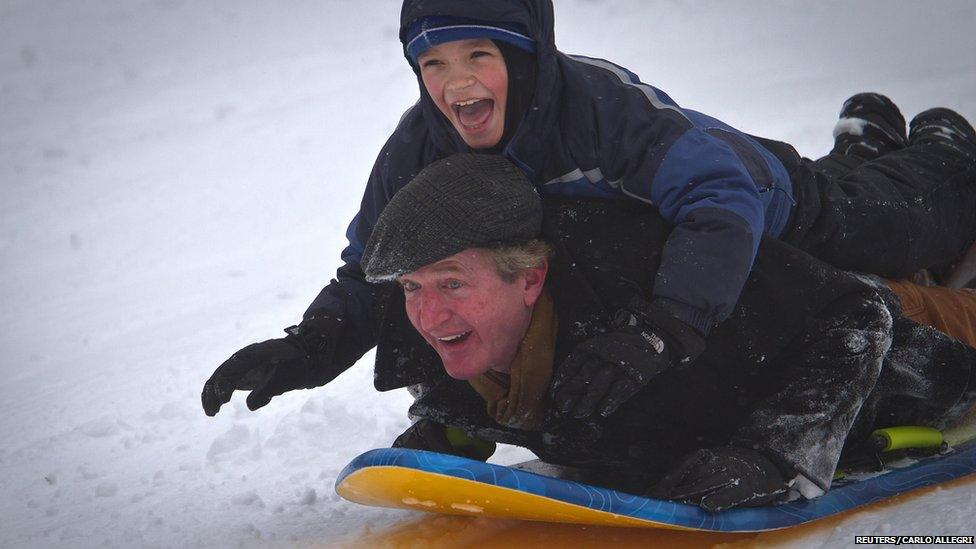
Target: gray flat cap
{"points": [[463, 201]]}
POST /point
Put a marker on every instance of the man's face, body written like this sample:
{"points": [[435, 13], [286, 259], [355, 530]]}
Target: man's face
{"points": [[468, 82], [468, 314]]}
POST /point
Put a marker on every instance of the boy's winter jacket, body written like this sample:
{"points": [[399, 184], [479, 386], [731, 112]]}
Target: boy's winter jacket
{"points": [[595, 130]]}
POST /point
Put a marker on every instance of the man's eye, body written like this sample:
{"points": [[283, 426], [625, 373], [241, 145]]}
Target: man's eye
{"points": [[454, 284], [409, 286]]}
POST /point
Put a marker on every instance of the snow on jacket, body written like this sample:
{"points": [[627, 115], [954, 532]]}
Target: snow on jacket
{"points": [[595, 130]]}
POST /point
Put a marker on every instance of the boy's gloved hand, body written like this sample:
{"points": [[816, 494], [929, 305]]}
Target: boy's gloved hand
{"points": [[720, 478], [429, 435], [607, 370], [301, 360]]}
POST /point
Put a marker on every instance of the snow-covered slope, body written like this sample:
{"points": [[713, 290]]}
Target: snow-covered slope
{"points": [[175, 181]]}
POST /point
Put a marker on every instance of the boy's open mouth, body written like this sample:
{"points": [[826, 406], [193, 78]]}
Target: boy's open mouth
{"points": [[473, 113]]}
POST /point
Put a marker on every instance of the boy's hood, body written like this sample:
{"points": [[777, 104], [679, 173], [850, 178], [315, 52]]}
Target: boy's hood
{"points": [[536, 16]]}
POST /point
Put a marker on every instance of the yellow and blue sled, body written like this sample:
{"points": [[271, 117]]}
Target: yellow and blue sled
{"points": [[438, 483]]}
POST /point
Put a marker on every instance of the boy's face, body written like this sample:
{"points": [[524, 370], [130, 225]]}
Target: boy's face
{"points": [[468, 314], [468, 82]]}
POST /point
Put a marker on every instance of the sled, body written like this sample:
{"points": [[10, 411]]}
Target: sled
{"points": [[439, 483]]}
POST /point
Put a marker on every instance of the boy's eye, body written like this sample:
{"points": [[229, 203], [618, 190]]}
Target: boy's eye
{"points": [[430, 63], [480, 53]]}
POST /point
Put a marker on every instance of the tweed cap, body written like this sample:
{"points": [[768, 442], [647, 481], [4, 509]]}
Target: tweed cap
{"points": [[463, 201]]}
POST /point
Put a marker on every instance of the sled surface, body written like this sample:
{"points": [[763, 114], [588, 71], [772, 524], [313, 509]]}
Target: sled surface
{"points": [[438, 483]]}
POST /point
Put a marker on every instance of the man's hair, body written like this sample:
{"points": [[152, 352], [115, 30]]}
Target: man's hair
{"points": [[511, 260]]}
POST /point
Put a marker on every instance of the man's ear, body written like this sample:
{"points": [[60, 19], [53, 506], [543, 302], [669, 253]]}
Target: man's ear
{"points": [[533, 280]]}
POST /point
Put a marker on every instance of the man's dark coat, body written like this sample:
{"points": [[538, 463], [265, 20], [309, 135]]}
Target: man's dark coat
{"points": [[787, 373]]}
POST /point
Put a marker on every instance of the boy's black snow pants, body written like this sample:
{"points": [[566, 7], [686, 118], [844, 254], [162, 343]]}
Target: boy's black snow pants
{"points": [[927, 378], [906, 210]]}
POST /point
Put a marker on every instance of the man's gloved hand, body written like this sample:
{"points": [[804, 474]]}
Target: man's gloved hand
{"points": [[607, 370], [571, 436], [303, 359], [429, 435], [720, 478]]}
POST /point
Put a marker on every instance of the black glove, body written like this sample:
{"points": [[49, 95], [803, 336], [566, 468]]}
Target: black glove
{"points": [[429, 435], [301, 360], [720, 478], [607, 370]]}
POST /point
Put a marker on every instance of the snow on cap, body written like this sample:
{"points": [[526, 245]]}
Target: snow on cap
{"points": [[428, 32], [463, 201]]}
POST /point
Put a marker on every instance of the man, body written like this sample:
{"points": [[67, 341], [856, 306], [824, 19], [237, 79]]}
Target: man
{"points": [[513, 344]]}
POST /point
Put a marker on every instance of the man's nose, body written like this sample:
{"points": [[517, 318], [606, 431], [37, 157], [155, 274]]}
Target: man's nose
{"points": [[433, 311]]}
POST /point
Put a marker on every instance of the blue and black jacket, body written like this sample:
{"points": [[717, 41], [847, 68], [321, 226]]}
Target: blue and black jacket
{"points": [[595, 130]]}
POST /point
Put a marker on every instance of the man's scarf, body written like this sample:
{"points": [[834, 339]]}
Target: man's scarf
{"points": [[518, 399]]}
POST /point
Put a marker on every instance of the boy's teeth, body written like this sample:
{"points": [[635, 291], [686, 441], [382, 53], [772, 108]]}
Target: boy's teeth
{"points": [[466, 103]]}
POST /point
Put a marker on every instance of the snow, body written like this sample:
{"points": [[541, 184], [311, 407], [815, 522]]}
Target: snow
{"points": [[853, 126], [175, 182]]}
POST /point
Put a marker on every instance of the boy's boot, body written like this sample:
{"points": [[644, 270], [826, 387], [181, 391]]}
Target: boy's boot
{"points": [[945, 126], [870, 125]]}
